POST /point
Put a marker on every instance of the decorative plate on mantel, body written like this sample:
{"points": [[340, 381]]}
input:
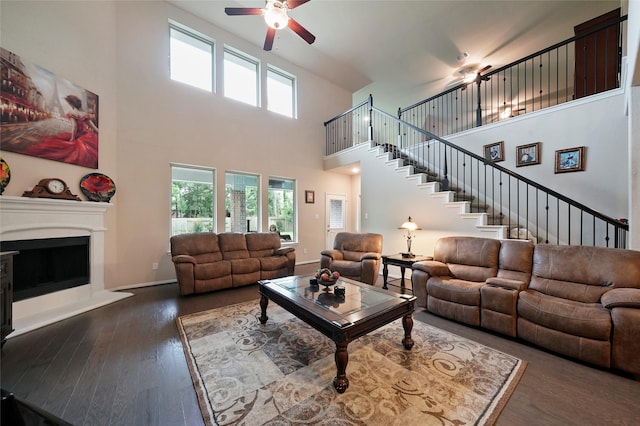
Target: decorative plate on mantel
{"points": [[5, 175], [97, 187]]}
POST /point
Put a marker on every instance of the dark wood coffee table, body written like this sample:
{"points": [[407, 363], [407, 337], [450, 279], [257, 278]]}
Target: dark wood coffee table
{"points": [[363, 309]]}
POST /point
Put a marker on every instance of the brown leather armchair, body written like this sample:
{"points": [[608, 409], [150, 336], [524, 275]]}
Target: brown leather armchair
{"points": [[354, 255]]}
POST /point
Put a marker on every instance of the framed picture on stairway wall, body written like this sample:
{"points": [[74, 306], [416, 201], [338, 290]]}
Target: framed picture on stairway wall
{"points": [[570, 160], [494, 151], [527, 155]]}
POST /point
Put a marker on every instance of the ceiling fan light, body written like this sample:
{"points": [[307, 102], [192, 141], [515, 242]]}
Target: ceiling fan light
{"points": [[275, 15], [469, 78]]}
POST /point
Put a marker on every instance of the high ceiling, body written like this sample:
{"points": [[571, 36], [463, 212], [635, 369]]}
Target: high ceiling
{"points": [[405, 51]]}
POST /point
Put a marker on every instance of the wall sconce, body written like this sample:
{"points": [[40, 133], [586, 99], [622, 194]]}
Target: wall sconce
{"points": [[409, 227]]}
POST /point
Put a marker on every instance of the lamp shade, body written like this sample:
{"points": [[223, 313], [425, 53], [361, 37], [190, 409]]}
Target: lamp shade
{"points": [[275, 15], [409, 225]]}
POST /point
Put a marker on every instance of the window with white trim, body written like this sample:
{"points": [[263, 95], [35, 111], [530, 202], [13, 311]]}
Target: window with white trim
{"points": [[192, 199], [282, 208], [241, 74], [281, 92], [191, 58], [242, 202]]}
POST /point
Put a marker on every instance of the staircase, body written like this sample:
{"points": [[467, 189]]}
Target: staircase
{"points": [[499, 200], [451, 199]]}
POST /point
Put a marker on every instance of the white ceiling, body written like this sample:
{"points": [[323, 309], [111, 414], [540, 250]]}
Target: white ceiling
{"points": [[405, 51]]}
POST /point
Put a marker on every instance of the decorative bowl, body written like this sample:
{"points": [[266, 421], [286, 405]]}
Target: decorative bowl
{"points": [[327, 283]]}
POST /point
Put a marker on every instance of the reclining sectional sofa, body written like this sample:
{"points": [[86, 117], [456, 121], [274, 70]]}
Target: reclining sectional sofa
{"points": [[582, 302], [207, 261]]}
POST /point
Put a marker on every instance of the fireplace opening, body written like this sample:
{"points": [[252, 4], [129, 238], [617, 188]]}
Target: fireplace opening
{"points": [[47, 265]]}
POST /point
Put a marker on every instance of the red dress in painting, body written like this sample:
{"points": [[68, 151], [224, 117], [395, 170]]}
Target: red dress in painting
{"points": [[78, 147]]}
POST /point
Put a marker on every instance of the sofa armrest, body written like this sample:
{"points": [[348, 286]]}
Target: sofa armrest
{"points": [[370, 255], [333, 254], [183, 258], [432, 267], [283, 251], [621, 298], [506, 283]]}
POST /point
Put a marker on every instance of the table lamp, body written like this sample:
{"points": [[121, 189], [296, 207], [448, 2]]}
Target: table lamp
{"points": [[409, 226]]}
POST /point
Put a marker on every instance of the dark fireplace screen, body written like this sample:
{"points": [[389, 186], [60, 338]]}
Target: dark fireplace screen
{"points": [[48, 265]]}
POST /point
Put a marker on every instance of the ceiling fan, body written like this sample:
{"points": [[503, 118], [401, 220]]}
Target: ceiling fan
{"points": [[469, 75], [276, 16]]}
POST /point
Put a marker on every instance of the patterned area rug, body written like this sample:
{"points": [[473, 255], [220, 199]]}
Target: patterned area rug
{"points": [[281, 373]]}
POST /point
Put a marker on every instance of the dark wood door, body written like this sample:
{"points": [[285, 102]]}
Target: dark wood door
{"points": [[597, 55]]}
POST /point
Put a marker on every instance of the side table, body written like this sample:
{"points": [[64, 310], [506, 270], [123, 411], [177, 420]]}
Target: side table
{"points": [[403, 262]]}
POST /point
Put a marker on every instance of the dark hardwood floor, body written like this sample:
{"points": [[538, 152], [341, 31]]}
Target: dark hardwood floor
{"points": [[123, 364]]}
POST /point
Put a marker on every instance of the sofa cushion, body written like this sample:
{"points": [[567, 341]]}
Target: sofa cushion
{"points": [[455, 290], [468, 258], [245, 266], [203, 247], [346, 268], [583, 273], [262, 244], [588, 320], [233, 245], [205, 271], [515, 260], [273, 263]]}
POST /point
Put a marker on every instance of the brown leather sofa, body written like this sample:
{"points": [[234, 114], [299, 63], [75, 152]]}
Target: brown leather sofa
{"points": [[354, 255], [582, 302], [207, 261]]}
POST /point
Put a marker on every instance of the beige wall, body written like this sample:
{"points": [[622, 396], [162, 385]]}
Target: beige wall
{"points": [[119, 50]]}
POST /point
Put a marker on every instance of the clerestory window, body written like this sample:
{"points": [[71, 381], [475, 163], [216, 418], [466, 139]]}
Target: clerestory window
{"points": [[191, 57], [241, 74]]}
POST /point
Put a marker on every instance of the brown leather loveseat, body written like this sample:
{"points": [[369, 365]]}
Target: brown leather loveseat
{"points": [[579, 301], [207, 261]]}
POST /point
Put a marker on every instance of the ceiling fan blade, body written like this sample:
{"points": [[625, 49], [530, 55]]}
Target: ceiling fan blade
{"points": [[301, 31], [232, 11], [292, 4], [268, 41], [484, 69]]}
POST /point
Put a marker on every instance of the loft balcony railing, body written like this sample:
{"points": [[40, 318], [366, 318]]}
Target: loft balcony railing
{"points": [[540, 80], [583, 65], [525, 208]]}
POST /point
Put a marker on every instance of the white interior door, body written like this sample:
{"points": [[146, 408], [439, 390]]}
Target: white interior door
{"points": [[336, 216]]}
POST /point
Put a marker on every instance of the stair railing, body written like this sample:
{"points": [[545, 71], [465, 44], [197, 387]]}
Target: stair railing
{"points": [[543, 79], [526, 209]]}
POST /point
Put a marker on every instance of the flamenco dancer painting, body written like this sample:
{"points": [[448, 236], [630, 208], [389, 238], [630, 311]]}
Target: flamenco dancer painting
{"points": [[47, 117]]}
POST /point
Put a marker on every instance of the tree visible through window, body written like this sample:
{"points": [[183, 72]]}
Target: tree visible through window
{"points": [[192, 200], [282, 208]]}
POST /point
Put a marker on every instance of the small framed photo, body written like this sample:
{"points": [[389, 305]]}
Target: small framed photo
{"points": [[527, 155], [309, 197], [570, 160], [494, 151]]}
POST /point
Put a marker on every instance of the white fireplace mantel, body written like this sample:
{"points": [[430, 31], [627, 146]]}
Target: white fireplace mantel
{"points": [[23, 218]]}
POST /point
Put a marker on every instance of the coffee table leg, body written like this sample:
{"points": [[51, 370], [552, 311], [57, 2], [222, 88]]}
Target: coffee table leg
{"points": [[264, 301], [407, 324], [340, 382]]}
